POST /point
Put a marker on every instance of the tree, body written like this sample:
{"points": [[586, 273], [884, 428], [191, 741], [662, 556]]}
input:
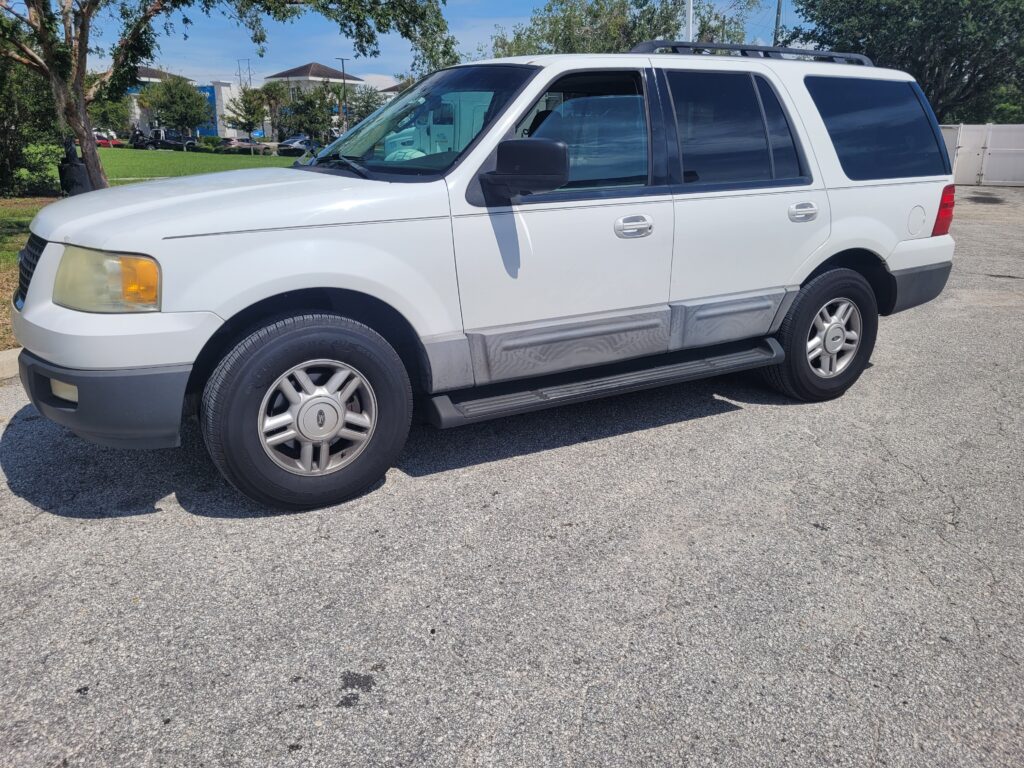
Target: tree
{"points": [[247, 111], [1007, 105], [960, 51], [434, 49], [108, 111], [615, 26], [176, 102], [715, 24], [365, 100], [54, 38], [26, 118], [310, 112], [275, 96]]}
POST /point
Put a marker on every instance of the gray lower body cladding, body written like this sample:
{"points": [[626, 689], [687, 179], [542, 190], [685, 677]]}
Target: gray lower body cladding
{"points": [[130, 408], [525, 351], [919, 285]]}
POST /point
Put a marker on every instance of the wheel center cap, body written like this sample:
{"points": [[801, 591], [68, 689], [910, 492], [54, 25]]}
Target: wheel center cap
{"points": [[835, 336], [319, 418]]}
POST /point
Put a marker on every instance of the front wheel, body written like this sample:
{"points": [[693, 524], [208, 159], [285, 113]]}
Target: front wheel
{"points": [[828, 336], [307, 411]]}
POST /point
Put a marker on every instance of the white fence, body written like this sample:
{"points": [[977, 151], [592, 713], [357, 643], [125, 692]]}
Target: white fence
{"points": [[986, 154]]}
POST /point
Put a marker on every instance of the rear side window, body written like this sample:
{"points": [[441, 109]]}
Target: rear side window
{"points": [[784, 155], [880, 128], [732, 129]]}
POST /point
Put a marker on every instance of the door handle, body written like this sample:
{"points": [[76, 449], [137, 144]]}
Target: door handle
{"points": [[634, 226], [803, 212]]}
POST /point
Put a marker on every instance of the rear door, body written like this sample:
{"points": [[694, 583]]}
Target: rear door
{"points": [[751, 207]]}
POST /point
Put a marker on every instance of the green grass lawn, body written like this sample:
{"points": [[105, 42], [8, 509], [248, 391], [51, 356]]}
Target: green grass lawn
{"points": [[15, 216], [126, 165]]}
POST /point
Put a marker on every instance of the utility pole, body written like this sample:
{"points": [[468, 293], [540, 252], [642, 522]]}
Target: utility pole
{"points": [[689, 21], [248, 69], [778, 22], [344, 93]]}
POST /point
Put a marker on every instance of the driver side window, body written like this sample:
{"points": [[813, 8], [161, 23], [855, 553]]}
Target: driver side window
{"points": [[602, 118]]}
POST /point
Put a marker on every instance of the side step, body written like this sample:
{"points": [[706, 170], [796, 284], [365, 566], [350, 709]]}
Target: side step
{"points": [[454, 409]]}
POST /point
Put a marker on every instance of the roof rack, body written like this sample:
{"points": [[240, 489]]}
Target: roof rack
{"points": [[759, 51]]}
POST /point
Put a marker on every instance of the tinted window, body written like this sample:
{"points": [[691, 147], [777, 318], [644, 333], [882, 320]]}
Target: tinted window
{"points": [[602, 118], [880, 128], [784, 154], [721, 132]]}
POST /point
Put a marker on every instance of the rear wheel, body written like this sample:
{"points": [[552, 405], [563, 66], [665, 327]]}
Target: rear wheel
{"points": [[828, 336], [307, 411]]}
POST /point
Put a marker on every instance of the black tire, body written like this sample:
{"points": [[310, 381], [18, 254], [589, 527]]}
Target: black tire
{"points": [[794, 377], [233, 396]]}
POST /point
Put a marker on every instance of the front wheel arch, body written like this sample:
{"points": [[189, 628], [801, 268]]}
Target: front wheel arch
{"points": [[361, 307]]}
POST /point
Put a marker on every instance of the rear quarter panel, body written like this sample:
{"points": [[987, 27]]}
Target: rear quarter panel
{"points": [[875, 215]]}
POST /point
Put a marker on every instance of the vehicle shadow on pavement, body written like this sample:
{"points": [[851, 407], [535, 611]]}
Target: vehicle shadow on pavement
{"points": [[430, 450], [62, 474], [58, 472]]}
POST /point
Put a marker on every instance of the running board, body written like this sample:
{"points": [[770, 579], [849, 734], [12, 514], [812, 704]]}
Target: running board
{"points": [[455, 409]]}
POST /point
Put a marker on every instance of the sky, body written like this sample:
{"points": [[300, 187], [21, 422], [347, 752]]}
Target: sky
{"points": [[215, 44]]}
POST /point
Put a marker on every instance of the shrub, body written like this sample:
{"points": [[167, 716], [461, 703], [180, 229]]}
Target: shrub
{"points": [[38, 173], [211, 142]]}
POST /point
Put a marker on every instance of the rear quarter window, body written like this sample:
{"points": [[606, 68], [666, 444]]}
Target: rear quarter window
{"points": [[881, 129]]}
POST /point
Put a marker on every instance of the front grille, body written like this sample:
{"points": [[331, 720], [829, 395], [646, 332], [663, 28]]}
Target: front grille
{"points": [[27, 261]]}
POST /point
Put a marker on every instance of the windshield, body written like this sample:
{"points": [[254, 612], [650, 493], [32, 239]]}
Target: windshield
{"points": [[426, 128]]}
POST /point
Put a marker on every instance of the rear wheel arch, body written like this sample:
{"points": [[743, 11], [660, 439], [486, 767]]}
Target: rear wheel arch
{"points": [[361, 307], [871, 267]]}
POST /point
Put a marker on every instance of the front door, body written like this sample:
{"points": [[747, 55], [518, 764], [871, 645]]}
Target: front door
{"points": [[579, 276]]}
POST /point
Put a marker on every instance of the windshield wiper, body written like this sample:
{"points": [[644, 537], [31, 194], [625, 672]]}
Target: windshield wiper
{"points": [[352, 165]]}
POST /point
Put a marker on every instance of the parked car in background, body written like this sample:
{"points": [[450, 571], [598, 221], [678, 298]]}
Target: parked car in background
{"points": [[298, 146], [138, 140], [103, 140], [502, 237], [163, 138], [169, 138], [244, 147]]}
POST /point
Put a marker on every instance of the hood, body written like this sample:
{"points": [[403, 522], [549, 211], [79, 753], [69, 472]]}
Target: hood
{"points": [[135, 217]]}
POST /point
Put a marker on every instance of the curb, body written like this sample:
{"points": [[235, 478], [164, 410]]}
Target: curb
{"points": [[9, 363]]}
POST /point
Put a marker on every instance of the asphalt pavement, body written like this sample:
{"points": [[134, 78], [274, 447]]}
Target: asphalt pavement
{"points": [[705, 574]]}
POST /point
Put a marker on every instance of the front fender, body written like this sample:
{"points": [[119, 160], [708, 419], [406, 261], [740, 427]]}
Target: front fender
{"points": [[407, 264]]}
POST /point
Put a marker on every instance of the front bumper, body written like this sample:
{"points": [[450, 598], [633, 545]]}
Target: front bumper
{"points": [[125, 408]]}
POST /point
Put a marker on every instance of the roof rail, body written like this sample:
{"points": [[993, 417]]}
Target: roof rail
{"points": [[760, 51]]}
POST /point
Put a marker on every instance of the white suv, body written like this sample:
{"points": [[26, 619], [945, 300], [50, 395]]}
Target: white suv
{"points": [[502, 237]]}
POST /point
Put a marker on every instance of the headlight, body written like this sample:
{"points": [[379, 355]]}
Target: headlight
{"points": [[95, 281]]}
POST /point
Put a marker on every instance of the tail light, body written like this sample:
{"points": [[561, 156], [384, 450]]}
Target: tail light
{"points": [[945, 215]]}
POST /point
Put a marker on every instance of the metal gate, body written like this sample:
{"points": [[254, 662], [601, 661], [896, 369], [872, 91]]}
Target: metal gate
{"points": [[986, 154]]}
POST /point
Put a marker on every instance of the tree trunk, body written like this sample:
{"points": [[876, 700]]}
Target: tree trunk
{"points": [[91, 158], [76, 116]]}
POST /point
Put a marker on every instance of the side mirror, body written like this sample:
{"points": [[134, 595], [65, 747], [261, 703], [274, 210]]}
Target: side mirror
{"points": [[528, 165]]}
